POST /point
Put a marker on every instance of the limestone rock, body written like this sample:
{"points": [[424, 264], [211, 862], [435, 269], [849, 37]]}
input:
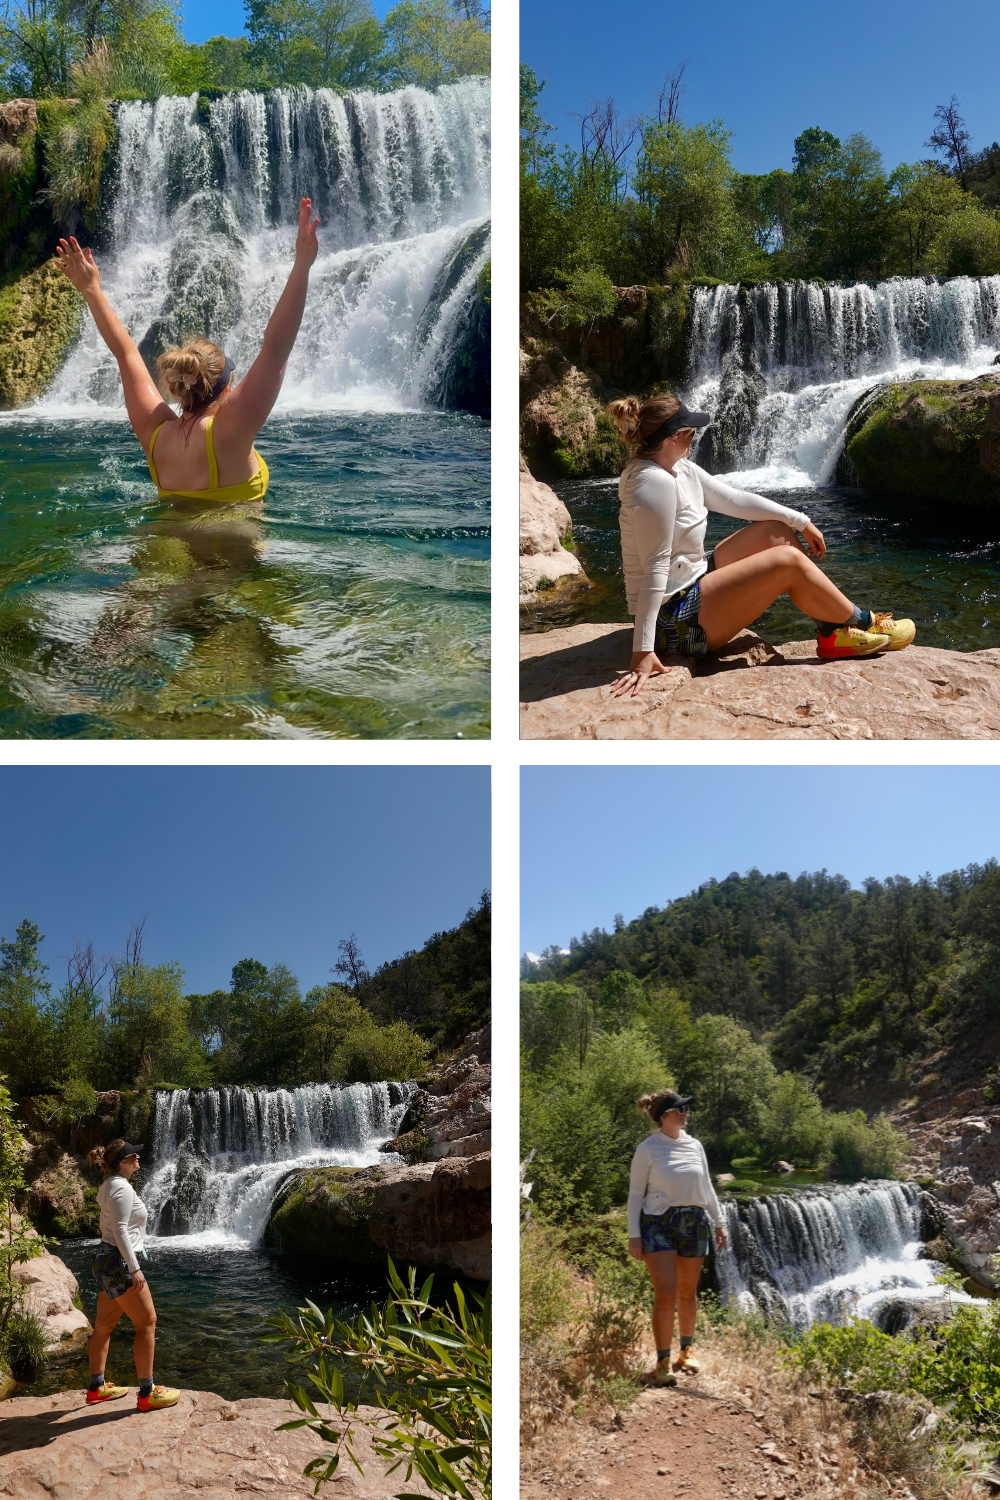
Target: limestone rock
{"points": [[57, 1447], [544, 522], [49, 1290], [752, 690]]}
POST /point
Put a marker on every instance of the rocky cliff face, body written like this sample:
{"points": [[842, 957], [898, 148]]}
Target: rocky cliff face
{"points": [[49, 1289], [547, 563], [927, 439]]}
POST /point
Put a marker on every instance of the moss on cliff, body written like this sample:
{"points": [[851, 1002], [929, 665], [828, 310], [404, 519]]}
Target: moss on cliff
{"points": [[930, 440], [325, 1212], [40, 316]]}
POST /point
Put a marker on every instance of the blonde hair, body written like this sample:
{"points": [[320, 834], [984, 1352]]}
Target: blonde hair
{"points": [[638, 421], [652, 1104], [103, 1156], [189, 374]]}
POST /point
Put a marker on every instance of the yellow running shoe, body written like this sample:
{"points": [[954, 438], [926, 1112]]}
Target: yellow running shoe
{"points": [[900, 632], [106, 1392], [686, 1361], [664, 1375], [159, 1397], [847, 640]]}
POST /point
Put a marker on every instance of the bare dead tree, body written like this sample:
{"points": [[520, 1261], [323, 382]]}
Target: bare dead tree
{"points": [[85, 970], [352, 966], [668, 97], [130, 958], [950, 136]]}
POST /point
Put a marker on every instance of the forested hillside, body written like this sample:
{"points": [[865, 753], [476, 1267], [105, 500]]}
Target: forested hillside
{"points": [[118, 1021]]}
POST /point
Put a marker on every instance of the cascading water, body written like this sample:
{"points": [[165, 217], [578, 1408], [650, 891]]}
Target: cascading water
{"points": [[781, 366], [218, 1156], [201, 221], [827, 1254]]}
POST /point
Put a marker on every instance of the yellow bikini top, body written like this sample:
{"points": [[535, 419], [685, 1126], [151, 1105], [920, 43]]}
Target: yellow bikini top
{"points": [[227, 494]]}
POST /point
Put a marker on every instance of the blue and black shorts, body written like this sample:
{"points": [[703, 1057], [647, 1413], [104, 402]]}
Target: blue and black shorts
{"points": [[686, 1230], [678, 632], [112, 1274]]}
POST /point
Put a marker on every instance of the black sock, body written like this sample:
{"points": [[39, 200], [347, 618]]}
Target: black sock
{"points": [[860, 618], [146, 1386], [686, 1342], [96, 1381], [662, 1354]]}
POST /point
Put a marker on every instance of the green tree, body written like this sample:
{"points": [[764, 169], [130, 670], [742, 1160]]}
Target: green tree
{"points": [[966, 244], [146, 1021], [842, 215], [429, 45], [317, 42], [26, 1032], [922, 198], [333, 1013], [729, 1075], [683, 179], [791, 1122], [369, 1053], [622, 998], [267, 1024]]}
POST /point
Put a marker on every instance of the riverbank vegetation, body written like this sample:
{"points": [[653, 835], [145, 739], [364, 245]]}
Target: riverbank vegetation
{"points": [[657, 201], [120, 1022]]}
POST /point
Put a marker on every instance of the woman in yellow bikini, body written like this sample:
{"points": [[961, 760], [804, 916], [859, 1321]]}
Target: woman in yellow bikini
{"points": [[225, 468]]}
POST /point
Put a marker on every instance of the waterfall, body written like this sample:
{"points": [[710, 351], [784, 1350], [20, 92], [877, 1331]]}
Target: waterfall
{"points": [[200, 215], [216, 1157], [780, 366], [827, 1254]]}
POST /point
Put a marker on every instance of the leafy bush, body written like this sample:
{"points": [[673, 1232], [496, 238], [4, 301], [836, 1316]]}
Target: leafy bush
{"points": [[792, 1123], [588, 297], [76, 1101], [372, 1053], [967, 244], [23, 1344], [859, 1148]]}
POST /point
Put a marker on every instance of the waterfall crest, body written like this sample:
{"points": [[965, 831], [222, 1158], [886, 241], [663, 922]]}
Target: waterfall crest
{"points": [[201, 215], [827, 1254], [780, 366], [218, 1156]]}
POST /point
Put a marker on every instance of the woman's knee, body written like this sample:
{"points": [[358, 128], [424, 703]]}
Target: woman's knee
{"points": [[664, 1294], [777, 534]]}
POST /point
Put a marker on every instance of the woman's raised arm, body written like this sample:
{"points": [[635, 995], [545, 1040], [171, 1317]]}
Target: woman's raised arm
{"points": [[145, 406], [249, 406]]}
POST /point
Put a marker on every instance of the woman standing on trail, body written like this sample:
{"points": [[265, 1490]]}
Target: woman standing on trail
{"points": [[122, 1286], [223, 467], [670, 1202], [686, 602]]}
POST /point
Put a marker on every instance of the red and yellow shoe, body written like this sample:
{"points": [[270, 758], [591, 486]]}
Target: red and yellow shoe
{"points": [[106, 1392], [900, 632], [159, 1397], [848, 640], [687, 1362]]}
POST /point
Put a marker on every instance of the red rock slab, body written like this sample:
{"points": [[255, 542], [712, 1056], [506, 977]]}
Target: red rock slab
{"points": [[204, 1448], [755, 691]]}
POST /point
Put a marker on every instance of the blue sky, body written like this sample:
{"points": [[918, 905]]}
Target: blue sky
{"points": [[632, 837], [773, 68], [226, 17], [236, 862]]}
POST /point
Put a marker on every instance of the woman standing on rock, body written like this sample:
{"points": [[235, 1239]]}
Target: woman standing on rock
{"points": [[686, 602], [671, 1202], [121, 1285]]}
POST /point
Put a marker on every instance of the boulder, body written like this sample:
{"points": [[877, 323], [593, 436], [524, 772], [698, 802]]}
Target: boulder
{"points": [[40, 316], [929, 440], [545, 521], [752, 690], [435, 1214], [57, 1447], [50, 1287], [784, 1166]]}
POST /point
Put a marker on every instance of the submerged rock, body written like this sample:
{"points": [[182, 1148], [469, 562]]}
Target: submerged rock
{"points": [[927, 440], [752, 690]]}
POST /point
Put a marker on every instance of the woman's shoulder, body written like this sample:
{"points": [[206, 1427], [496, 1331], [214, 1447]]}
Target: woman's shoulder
{"points": [[115, 1187]]}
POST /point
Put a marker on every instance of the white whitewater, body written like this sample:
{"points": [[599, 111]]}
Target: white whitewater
{"points": [[218, 1156], [202, 216], [828, 1254], [783, 364]]}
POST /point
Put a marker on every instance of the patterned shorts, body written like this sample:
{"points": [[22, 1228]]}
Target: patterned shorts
{"points": [[111, 1272], [677, 630], [685, 1230]]}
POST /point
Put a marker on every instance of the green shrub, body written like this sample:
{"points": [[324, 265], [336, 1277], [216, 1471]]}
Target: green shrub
{"points": [[967, 244], [589, 296], [373, 1053], [23, 1344], [76, 1101], [857, 1147], [550, 1294]]}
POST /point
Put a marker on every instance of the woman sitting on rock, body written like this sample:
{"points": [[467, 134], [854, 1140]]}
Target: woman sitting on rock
{"points": [[670, 1203], [121, 1285], [686, 602], [224, 467]]}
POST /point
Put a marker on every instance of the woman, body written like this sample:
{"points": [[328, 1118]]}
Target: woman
{"points": [[206, 453], [685, 602], [670, 1202], [121, 1285]]}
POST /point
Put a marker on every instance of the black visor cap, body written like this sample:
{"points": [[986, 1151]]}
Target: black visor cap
{"points": [[674, 1101], [223, 380], [127, 1148], [682, 417]]}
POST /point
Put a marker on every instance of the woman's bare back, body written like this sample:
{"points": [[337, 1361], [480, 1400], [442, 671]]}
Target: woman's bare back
{"points": [[181, 452]]}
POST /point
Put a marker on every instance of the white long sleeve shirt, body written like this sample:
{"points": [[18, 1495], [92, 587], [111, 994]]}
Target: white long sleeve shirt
{"points": [[663, 517], [669, 1173], [123, 1218]]}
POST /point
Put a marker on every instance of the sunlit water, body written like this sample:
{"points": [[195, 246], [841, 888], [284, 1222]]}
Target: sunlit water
{"points": [[353, 604], [940, 569]]}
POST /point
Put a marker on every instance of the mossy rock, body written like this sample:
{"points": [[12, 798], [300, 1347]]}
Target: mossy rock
{"points": [[741, 1185], [325, 1213], [411, 1146], [933, 440], [40, 316]]}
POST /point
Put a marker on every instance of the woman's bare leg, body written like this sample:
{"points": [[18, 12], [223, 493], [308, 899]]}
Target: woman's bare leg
{"points": [[738, 593], [662, 1268], [759, 536], [688, 1271], [109, 1310], [138, 1305]]}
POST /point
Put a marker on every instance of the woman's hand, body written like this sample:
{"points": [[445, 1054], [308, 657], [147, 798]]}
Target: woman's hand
{"points": [[721, 1238], [79, 265], [306, 243], [138, 1281], [645, 664], [635, 1247], [813, 538]]}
